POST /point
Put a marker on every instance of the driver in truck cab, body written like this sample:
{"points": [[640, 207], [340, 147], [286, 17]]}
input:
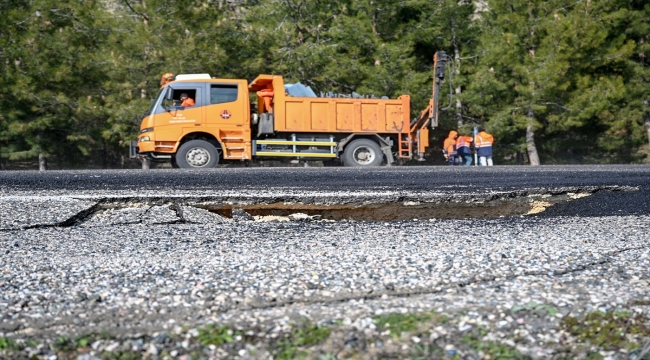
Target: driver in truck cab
{"points": [[186, 100]]}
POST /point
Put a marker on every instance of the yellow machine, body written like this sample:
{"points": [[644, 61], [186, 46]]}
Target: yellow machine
{"points": [[222, 124]]}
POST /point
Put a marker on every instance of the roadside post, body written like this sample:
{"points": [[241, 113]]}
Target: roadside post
{"points": [[475, 154]]}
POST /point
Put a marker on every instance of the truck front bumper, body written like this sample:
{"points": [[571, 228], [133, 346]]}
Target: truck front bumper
{"points": [[146, 150], [139, 149]]}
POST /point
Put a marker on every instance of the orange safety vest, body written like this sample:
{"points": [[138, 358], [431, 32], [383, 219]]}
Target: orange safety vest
{"points": [[166, 78], [187, 102], [484, 139], [449, 146], [462, 145], [484, 143]]}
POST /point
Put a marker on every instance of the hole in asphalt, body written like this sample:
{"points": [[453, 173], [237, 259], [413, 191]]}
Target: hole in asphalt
{"points": [[458, 206], [225, 212], [393, 211]]}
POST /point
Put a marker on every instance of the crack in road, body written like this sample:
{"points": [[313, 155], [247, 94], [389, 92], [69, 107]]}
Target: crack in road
{"points": [[424, 291], [70, 222], [457, 206]]}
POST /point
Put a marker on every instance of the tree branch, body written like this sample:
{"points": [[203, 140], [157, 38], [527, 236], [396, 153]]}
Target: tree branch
{"points": [[136, 12]]}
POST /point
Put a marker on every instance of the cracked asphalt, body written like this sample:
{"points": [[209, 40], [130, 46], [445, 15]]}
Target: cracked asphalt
{"points": [[134, 254]]}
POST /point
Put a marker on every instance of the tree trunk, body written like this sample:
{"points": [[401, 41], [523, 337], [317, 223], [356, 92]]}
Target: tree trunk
{"points": [[146, 164], [459, 113], [42, 162], [647, 126], [530, 140], [457, 90], [374, 23], [646, 120]]}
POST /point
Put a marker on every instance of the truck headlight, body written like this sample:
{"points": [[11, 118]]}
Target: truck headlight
{"points": [[144, 138]]}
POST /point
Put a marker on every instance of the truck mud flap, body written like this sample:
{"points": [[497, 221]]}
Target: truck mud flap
{"points": [[133, 149], [388, 152], [265, 125]]}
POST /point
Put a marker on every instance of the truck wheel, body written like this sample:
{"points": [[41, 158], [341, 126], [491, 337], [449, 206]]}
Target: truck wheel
{"points": [[362, 152], [197, 154]]}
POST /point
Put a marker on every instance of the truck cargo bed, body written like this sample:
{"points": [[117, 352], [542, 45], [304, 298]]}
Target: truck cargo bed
{"points": [[332, 115]]}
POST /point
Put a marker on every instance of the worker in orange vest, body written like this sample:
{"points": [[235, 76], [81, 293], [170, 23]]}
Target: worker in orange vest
{"points": [[186, 100], [484, 143], [463, 149], [166, 79], [449, 147]]}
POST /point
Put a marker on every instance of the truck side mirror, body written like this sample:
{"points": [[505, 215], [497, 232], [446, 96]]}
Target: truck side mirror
{"points": [[170, 94]]}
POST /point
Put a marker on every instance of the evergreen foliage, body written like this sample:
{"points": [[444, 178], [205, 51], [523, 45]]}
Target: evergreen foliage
{"points": [[569, 81]]}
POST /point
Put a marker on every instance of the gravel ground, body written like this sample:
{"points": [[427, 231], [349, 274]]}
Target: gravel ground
{"points": [[171, 280]]}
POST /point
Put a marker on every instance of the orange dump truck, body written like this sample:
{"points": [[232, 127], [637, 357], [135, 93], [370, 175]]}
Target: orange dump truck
{"points": [[218, 122]]}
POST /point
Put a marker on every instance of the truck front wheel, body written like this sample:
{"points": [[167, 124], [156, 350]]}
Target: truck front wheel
{"points": [[362, 152], [197, 154]]}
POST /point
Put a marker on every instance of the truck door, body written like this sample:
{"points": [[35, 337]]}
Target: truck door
{"points": [[228, 107], [179, 120], [228, 115]]}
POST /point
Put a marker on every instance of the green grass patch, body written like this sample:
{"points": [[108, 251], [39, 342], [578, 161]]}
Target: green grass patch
{"points": [[31, 343], [64, 343], [216, 335], [608, 330], [533, 306], [493, 349], [67, 344], [292, 344], [84, 341], [399, 323], [9, 344]]}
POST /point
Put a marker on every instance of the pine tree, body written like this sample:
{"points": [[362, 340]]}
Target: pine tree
{"points": [[51, 80], [519, 70], [568, 82], [145, 42], [635, 108]]}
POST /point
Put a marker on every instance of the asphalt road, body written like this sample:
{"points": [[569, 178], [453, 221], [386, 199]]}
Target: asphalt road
{"points": [[442, 180], [413, 178], [121, 264]]}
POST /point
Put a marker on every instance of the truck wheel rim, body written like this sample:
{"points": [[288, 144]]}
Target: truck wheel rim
{"points": [[364, 155], [197, 157]]}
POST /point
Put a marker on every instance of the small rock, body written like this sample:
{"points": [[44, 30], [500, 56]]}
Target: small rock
{"points": [[241, 215], [300, 217]]}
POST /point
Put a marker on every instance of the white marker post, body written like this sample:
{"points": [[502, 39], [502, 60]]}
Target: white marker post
{"points": [[475, 154]]}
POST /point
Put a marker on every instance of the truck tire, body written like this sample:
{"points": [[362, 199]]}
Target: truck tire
{"points": [[362, 152], [197, 154]]}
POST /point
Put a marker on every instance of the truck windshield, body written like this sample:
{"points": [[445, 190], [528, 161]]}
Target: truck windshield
{"points": [[153, 103]]}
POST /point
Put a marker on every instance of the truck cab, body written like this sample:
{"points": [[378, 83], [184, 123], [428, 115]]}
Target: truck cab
{"points": [[220, 116]]}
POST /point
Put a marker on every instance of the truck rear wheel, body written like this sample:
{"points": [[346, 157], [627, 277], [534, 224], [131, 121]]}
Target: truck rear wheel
{"points": [[197, 154], [362, 152]]}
